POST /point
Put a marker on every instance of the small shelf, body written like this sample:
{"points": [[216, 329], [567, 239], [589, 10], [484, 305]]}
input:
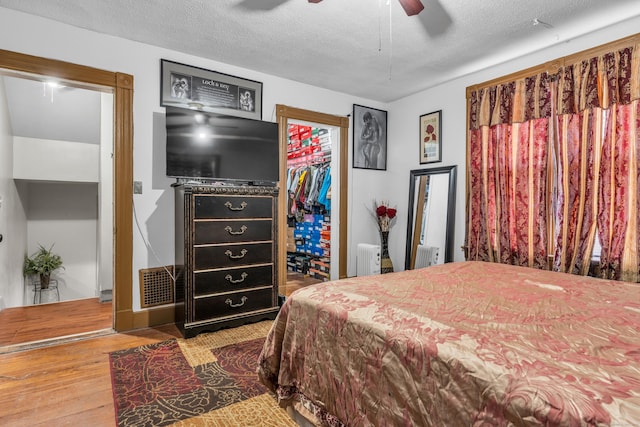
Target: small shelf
{"points": [[37, 291]]}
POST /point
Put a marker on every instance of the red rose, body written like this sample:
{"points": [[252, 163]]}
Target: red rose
{"points": [[391, 213], [381, 210]]}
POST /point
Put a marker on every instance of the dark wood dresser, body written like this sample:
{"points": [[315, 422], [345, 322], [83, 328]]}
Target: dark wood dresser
{"points": [[226, 248]]}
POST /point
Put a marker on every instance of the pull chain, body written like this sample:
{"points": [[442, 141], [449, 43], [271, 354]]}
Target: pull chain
{"points": [[388, 3], [390, 40]]}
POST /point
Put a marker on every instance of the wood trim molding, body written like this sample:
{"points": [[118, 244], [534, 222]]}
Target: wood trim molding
{"points": [[283, 114], [152, 317], [121, 85], [123, 206], [67, 71]]}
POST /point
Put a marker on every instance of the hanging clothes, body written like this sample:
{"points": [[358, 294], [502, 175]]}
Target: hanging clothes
{"points": [[324, 196]]}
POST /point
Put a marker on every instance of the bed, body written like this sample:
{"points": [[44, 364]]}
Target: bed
{"points": [[459, 344]]}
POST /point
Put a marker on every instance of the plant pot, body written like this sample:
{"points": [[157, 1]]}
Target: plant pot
{"points": [[44, 281]]}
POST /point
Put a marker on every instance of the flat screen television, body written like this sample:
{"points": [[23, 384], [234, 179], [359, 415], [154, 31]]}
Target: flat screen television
{"points": [[207, 146]]}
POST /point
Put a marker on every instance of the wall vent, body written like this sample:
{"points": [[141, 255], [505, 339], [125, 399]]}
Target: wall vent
{"points": [[156, 286]]}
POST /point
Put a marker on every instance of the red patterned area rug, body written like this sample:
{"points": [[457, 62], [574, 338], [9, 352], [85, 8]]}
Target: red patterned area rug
{"points": [[209, 380]]}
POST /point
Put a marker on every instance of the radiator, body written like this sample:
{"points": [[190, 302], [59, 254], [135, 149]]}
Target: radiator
{"points": [[368, 259], [426, 256]]}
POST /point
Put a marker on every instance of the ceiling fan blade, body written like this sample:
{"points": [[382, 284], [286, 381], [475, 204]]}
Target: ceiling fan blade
{"points": [[412, 7]]}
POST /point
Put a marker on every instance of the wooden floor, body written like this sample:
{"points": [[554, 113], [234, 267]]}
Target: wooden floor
{"points": [[296, 281], [19, 325], [69, 384]]}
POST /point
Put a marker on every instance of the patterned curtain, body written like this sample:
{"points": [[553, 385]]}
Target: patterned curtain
{"points": [[507, 167], [619, 212], [569, 177], [579, 138]]}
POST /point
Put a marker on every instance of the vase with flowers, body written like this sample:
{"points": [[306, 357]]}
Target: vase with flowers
{"points": [[385, 218]]}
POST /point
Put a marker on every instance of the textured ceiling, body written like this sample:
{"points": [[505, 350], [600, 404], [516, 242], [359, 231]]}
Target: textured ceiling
{"points": [[367, 48]]}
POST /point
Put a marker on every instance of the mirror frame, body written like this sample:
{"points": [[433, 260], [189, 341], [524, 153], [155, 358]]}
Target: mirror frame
{"points": [[451, 208]]}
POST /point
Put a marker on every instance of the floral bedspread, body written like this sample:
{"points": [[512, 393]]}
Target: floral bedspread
{"points": [[460, 344]]}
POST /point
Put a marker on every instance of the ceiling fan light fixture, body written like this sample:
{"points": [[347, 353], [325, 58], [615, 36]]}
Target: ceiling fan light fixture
{"points": [[412, 7]]}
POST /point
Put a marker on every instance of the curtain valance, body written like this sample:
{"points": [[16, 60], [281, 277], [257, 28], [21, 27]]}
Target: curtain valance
{"points": [[599, 81]]}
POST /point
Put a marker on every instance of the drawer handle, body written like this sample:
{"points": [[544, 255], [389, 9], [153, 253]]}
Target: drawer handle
{"points": [[231, 280], [229, 230], [231, 208], [232, 256], [231, 304]]}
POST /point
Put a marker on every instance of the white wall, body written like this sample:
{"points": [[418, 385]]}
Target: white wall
{"points": [[13, 224], [65, 215], [52, 160], [105, 191], [450, 97], [47, 213], [154, 208]]}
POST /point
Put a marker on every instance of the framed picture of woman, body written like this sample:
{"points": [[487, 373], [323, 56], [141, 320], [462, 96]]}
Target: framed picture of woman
{"points": [[369, 138]]}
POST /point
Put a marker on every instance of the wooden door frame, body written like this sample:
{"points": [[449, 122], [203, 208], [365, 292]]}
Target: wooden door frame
{"points": [[283, 115], [121, 86]]}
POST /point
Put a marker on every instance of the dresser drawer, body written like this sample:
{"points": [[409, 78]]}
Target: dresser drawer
{"points": [[220, 231], [208, 257], [206, 308], [232, 279], [228, 206]]}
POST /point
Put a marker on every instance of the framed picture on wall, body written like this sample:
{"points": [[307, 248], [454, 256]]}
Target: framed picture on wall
{"points": [[199, 89], [431, 137], [369, 138]]}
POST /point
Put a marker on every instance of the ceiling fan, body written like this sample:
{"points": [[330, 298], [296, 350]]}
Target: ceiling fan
{"points": [[411, 7]]}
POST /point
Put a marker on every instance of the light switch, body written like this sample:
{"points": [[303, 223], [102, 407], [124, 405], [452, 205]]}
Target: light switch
{"points": [[137, 187]]}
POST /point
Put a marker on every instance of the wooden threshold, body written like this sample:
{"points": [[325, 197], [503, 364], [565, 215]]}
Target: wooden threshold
{"points": [[46, 322]]}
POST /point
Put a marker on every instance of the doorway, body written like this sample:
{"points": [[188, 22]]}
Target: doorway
{"points": [[287, 115], [57, 141], [61, 140], [121, 87]]}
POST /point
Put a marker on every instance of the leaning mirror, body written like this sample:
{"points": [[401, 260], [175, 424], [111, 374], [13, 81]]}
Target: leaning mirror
{"points": [[430, 227]]}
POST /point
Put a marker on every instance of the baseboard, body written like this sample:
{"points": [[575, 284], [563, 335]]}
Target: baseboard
{"points": [[154, 316]]}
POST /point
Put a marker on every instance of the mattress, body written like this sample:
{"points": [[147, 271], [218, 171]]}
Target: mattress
{"points": [[459, 344]]}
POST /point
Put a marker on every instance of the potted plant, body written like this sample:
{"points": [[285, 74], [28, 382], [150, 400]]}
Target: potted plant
{"points": [[42, 263]]}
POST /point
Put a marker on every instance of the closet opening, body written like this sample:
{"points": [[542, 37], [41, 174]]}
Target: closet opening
{"points": [[313, 197], [309, 195]]}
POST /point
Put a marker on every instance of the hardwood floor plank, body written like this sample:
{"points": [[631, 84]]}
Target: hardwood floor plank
{"points": [[39, 322], [68, 384]]}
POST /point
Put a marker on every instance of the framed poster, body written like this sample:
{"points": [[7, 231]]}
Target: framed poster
{"points": [[369, 138], [199, 89], [431, 137]]}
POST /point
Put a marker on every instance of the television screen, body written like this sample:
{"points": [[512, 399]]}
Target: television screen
{"points": [[209, 146]]}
